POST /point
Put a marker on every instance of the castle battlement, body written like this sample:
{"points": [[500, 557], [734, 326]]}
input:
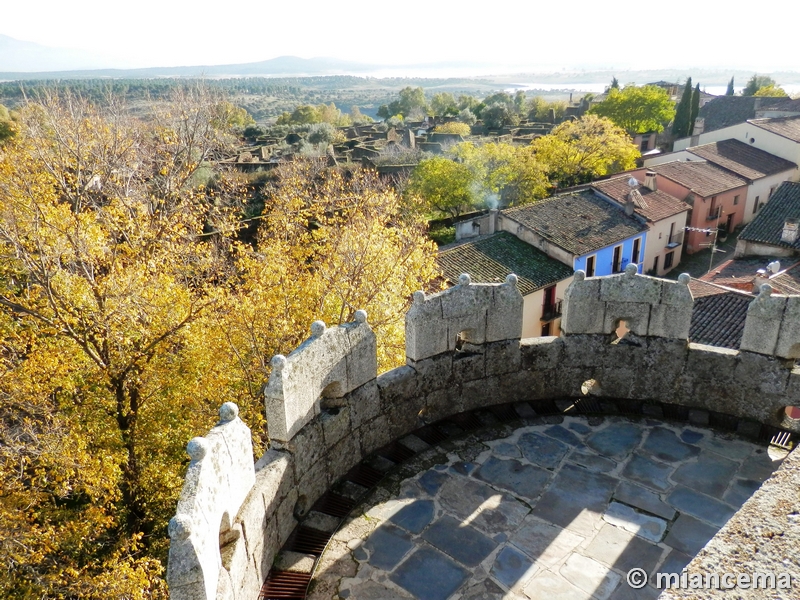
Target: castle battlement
{"points": [[327, 409]]}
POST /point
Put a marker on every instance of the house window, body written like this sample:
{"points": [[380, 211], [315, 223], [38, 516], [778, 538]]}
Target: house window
{"points": [[655, 266], [616, 265], [636, 249], [736, 199], [645, 145], [668, 259], [590, 266], [545, 329], [772, 189], [755, 206]]}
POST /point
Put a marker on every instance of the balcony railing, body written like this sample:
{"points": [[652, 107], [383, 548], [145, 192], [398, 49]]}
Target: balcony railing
{"points": [[675, 240], [552, 311]]}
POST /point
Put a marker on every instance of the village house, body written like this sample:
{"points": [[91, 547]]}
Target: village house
{"points": [[665, 216], [717, 197], [763, 171], [774, 230], [541, 280]]}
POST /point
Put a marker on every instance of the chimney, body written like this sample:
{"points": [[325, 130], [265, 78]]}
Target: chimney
{"points": [[493, 220], [650, 181], [789, 234], [699, 126], [629, 207]]}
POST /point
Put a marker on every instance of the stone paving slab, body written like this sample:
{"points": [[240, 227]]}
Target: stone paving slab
{"points": [[560, 509]]}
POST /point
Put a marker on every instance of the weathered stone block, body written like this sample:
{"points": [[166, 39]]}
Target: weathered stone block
{"points": [[788, 345], [344, 456], [442, 403], [313, 483], [505, 313], [396, 385], [764, 373], [307, 446], [365, 404], [426, 328], [335, 425], [539, 354], [434, 373], [670, 321], [626, 288], [481, 393], [502, 357], [763, 323], [284, 515], [275, 478], [583, 309], [469, 364], [636, 314], [374, 434]]}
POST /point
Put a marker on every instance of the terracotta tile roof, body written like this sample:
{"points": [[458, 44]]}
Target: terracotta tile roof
{"points": [[659, 204], [742, 159], [701, 289], [788, 127], [703, 178], [579, 222], [787, 281], [490, 259], [718, 320], [738, 274], [767, 226]]}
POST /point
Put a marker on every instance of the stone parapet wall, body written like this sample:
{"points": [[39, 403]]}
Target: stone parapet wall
{"points": [[589, 369]]}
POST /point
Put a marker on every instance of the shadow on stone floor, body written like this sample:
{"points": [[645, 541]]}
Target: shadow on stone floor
{"points": [[555, 509]]}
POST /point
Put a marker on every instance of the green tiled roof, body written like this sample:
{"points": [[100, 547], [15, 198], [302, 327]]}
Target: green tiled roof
{"points": [[767, 226], [490, 259]]}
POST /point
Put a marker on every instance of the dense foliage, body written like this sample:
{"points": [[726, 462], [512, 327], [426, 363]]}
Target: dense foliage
{"points": [[130, 308], [637, 109]]}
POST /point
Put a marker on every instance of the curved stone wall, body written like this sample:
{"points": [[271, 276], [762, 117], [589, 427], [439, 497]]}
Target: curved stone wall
{"points": [[464, 353]]}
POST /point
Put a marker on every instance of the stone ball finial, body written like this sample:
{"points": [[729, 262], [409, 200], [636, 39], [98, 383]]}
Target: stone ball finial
{"points": [[197, 448], [684, 278], [318, 328], [512, 279], [228, 411], [180, 527], [765, 290], [361, 316], [579, 275], [631, 270], [278, 362], [419, 297], [464, 279]]}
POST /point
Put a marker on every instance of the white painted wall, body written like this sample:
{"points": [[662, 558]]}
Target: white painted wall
{"points": [[532, 311], [657, 239]]}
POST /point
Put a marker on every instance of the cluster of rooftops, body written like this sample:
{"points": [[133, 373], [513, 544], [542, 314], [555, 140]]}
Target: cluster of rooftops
{"points": [[676, 204]]}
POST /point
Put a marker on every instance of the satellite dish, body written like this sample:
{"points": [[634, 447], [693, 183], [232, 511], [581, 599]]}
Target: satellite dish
{"points": [[774, 266], [632, 182]]}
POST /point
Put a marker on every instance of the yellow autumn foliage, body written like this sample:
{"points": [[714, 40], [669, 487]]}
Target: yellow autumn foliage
{"points": [[129, 311]]}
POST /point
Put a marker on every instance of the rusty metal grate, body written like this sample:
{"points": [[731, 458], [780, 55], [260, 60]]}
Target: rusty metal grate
{"points": [[629, 407], [588, 406], [545, 407], [396, 453], [308, 541], [431, 435], [505, 413], [285, 585], [675, 412], [334, 505], [364, 476], [468, 421]]}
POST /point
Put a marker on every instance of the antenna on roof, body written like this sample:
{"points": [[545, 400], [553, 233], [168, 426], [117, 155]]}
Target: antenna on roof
{"points": [[635, 196]]}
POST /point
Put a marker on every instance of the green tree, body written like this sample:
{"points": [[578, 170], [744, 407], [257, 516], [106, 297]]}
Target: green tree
{"points": [[497, 115], [681, 124], [756, 82], [466, 116], [455, 127], [637, 109], [504, 174], [410, 104], [579, 151], [443, 104], [614, 84], [440, 187], [730, 91], [695, 108], [771, 91]]}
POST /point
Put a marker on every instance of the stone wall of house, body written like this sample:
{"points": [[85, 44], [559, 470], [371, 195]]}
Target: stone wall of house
{"points": [[624, 340]]}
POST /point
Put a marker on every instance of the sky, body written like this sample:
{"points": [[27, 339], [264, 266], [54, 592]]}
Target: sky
{"points": [[540, 35]]}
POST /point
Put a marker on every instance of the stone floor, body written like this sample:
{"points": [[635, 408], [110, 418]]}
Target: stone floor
{"points": [[561, 509]]}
